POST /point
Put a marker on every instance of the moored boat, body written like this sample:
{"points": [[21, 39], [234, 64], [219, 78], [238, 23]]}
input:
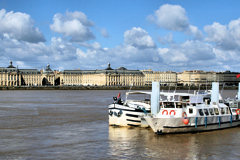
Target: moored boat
{"points": [[130, 111], [182, 112]]}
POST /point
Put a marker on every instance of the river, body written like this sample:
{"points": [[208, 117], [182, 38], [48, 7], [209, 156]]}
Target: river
{"points": [[73, 124]]}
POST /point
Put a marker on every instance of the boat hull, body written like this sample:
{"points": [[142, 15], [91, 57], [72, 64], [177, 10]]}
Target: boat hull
{"points": [[199, 124], [124, 116]]}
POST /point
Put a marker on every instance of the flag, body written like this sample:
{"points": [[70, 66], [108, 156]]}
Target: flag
{"points": [[119, 95], [238, 75]]}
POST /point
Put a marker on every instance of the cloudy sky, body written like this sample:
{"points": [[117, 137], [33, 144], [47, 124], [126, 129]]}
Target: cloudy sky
{"points": [[137, 34]]}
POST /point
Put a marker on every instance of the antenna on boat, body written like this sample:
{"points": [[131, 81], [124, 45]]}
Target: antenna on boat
{"points": [[131, 85], [222, 91], [168, 88], [175, 88], [199, 88], [222, 88], [206, 85]]}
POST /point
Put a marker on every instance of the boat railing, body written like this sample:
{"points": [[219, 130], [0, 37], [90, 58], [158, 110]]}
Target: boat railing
{"points": [[141, 101]]}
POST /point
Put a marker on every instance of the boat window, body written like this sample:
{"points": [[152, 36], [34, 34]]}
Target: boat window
{"points": [[216, 111], [161, 105], [231, 104], [190, 110], [207, 100], [185, 98], [200, 112], [184, 105], [211, 111], [206, 112], [235, 105], [169, 105], [222, 111], [233, 110], [179, 105]]}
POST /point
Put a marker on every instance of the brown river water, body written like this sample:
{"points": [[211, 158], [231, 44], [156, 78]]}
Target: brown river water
{"points": [[74, 125]]}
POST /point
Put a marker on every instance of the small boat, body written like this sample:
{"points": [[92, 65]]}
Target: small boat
{"points": [[183, 112], [136, 105], [131, 111]]}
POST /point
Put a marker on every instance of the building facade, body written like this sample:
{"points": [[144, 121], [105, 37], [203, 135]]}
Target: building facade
{"points": [[167, 78], [200, 78], [12, 76], [105, 77], [196, 78]]}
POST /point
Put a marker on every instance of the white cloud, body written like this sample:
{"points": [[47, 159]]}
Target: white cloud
{"points": [[226, 37], [187, 53], [73, 24], [19, 26], [80, 53], [166, 39], [173, 17], [219, 51], [138, 37]]}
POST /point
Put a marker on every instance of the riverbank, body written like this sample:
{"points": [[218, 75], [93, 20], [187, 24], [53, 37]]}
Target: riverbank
{"points": [[109, 88]]}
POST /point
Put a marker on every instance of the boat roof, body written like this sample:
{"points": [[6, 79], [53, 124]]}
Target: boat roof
{"points": [[162, 93], [176, 94], [139, 92]]}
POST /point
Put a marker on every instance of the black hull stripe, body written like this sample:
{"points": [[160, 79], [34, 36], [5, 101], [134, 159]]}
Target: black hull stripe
{"points": [[200, 125], [132, 115], [133, 120], [133, 125], [136, 110]]}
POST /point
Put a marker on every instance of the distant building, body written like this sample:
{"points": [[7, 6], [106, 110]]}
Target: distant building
{"points": [[104, 77], [12, 76], [167, 78], [228, 78], [198, 77]]}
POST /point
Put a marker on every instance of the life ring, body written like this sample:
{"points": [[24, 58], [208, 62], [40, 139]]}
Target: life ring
{"points": [[164, 112], [110, 112], [184, 115], [238, 111], [174, 112]]}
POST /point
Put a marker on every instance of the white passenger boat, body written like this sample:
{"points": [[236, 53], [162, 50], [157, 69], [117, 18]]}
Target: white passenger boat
{"points": [[131, 111], [136, 105], [182, 112]]}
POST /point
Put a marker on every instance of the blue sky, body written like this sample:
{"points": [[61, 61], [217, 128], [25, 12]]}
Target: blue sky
{"points": [[138, 34]]}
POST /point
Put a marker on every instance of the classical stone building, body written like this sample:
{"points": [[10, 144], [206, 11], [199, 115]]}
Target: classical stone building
{"points": [[12, 76], [166, 78], [198, 77], [105, 77], [228, 78]]}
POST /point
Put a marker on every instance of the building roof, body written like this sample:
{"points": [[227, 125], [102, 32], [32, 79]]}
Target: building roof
{"points": [[47, 69], [109, 67], [29, 71], [11, 65]]}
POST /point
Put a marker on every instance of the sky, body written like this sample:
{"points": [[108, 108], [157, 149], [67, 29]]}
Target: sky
{"points": [[161, 35]]}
